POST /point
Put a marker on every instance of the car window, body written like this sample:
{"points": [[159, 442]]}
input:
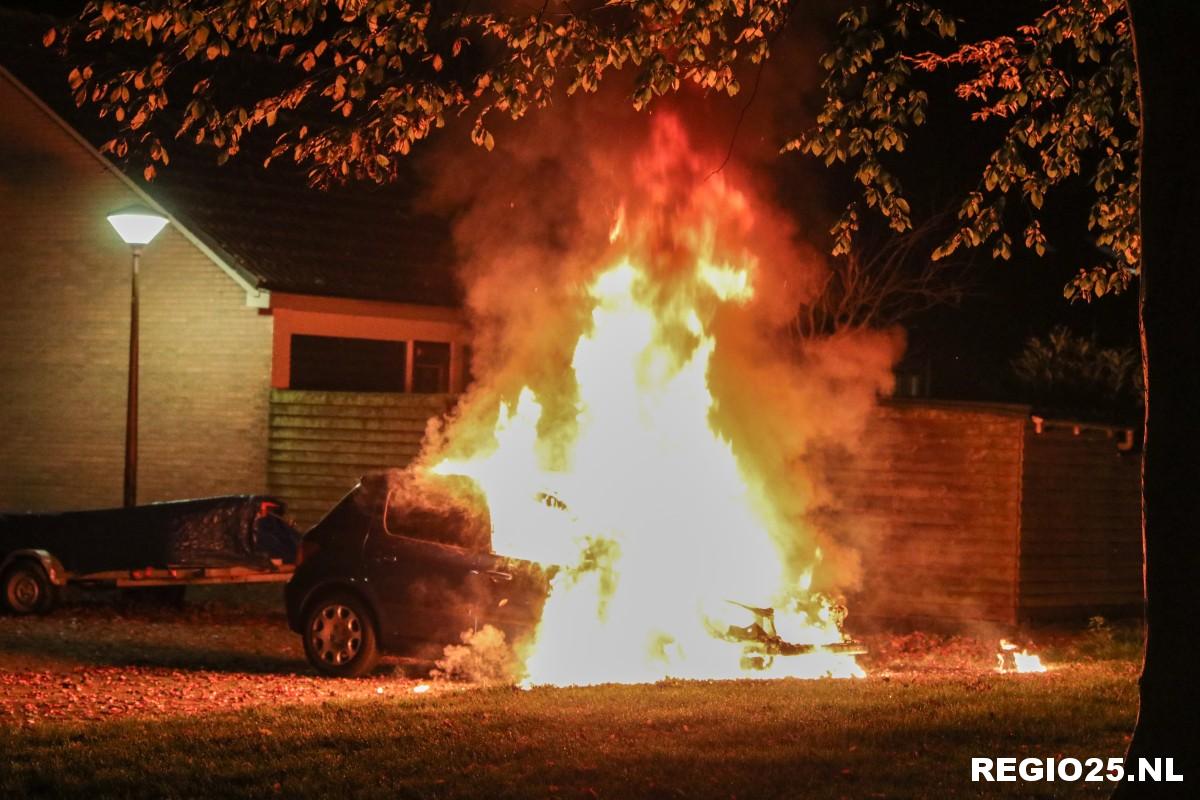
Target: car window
{"points": [[438, 509]]}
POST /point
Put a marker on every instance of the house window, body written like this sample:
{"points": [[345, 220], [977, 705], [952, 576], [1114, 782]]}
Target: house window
{"points": [[431, 367], [339, 364]]}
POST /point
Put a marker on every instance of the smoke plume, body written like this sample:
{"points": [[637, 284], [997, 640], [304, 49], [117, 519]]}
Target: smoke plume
{"points": [[533, 226]]}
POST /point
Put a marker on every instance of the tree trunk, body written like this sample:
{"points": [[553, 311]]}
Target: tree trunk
{"points": [[1168, 724]]}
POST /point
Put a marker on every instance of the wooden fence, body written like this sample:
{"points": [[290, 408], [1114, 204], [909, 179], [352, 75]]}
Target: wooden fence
{"points": [[321, 443]]}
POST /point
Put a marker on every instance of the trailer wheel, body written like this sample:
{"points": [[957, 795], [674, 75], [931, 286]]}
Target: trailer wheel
{"points": [[339, 636], [27, 588]]}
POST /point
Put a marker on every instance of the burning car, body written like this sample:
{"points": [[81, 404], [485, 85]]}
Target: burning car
{"points": [[403, 564], [650, 377]]}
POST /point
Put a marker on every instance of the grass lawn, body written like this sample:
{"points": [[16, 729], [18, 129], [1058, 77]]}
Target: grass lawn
{"points": [[869, 738], [100, 703]]}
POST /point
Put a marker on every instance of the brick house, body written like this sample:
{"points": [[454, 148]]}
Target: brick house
{"points": [[271, 316]]}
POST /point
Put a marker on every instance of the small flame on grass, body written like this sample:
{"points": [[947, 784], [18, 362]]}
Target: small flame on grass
{"points": [[1014, 659], [421, 688]]}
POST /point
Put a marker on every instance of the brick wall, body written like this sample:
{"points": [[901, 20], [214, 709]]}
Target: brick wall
{"points": [[972, 514], [64, 327], [1081, 546], [938, 488]]}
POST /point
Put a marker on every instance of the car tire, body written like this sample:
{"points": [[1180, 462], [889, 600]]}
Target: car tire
{"points": [[27, 588], [339, 636]]}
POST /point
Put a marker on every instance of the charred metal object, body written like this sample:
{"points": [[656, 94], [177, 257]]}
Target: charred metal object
{"points": [[761, 642]]}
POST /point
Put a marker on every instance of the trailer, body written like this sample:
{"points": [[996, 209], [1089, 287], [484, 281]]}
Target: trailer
{"points": [[159, 549]]}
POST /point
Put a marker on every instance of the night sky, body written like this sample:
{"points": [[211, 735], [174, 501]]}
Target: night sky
{"points": [[971, 346]]}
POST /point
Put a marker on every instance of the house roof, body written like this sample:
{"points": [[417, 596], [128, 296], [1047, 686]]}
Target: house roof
{"points": [[359, 241]]}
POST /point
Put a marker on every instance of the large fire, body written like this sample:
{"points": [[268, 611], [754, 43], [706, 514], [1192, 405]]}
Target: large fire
{"points": [[671, 547]]}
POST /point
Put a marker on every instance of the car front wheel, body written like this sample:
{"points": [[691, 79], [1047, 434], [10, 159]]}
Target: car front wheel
{"points": [[339, 636]]}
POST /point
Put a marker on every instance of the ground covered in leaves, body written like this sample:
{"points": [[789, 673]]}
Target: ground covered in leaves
{"points": [[106, 661], [216, 700]]}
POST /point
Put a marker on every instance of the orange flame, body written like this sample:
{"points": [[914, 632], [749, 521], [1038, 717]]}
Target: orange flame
{"points": [[642, 500]]}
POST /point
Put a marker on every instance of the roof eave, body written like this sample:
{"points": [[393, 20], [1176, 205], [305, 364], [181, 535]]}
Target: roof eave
{"points": [[256, 296]]}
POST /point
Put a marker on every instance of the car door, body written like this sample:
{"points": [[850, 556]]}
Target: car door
{"points": [[516, 594], [429, 565], [428, 593]]}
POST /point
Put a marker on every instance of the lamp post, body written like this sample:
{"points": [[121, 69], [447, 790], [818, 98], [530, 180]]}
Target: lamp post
{"points": [[137, 226]]}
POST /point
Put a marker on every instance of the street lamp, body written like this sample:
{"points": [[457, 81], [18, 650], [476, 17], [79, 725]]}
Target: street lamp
{"points": [[137, 226]]}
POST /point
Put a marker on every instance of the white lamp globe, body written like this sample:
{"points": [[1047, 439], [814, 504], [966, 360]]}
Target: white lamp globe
{"points": [[137, 225]]}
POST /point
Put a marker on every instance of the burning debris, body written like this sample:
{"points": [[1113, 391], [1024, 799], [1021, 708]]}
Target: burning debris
{"points": [[1011, 658], [654, 450], [761, 643]]}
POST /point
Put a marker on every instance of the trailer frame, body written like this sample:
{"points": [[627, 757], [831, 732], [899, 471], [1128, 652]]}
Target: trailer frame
{"points": [[280, 572]]}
